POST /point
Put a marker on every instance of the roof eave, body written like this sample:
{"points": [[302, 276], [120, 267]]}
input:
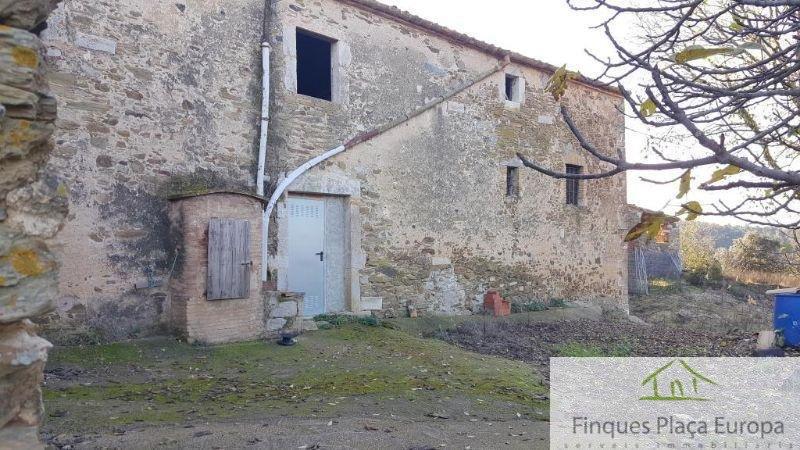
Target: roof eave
{"points": [[397, 14]]}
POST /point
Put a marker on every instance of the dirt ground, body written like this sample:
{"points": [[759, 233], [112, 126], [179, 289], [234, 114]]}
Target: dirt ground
{"points": [[355, 386], [675, 321], [731, 307], [535, 342], [460, 382]]}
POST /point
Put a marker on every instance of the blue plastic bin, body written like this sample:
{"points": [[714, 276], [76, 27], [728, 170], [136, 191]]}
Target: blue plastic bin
{"points": [[787, 318]]}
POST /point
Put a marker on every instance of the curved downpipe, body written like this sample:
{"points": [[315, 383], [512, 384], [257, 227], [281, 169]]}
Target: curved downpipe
{"points": [[364, 137]]}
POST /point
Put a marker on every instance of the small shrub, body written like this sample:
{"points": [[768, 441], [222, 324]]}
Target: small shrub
{"points": [[369, 321], [338, 320], [532, 306], [558, 303]]}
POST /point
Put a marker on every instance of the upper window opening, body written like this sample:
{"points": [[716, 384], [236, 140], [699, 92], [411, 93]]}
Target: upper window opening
{"points": [[512, 88], [314, 65], [573, 186], [512, 182]]}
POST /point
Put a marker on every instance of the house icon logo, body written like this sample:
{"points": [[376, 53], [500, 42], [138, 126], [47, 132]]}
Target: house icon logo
{"points": [[676, 381]]}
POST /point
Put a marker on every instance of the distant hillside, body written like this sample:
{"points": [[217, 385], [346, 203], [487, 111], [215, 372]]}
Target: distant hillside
{"points": [[724, 235]]}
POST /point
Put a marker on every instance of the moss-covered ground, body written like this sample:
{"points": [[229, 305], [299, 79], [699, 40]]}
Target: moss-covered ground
{"points": [[328, 373]]}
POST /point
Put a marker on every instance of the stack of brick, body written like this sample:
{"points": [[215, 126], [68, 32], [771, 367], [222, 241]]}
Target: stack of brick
{"points": [[32, 210], [495, 305]]}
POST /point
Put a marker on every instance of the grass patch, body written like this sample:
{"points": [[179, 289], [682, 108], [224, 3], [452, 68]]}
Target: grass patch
{"points": [[165, 381], [100, 355], [578, 350]]}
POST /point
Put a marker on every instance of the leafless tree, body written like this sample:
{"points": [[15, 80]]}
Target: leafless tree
{"points": [[724, 72]]}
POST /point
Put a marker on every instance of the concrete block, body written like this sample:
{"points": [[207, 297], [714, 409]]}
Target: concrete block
{"points": [[310, 325], [275, 324], [766, 340], [285, 310], [371, 303]]}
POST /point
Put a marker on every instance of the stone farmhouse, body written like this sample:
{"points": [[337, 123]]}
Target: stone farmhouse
{"points": [[416, 199]]}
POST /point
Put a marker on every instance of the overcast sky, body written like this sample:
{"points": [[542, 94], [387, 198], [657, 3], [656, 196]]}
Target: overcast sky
{"points": [[550, 31]]}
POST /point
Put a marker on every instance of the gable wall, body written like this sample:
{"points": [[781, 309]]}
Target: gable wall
{"points": [[436, 227]]}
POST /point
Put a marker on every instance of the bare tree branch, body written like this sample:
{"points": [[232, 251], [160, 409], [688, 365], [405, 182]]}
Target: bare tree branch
{"points": [[726, 73]]}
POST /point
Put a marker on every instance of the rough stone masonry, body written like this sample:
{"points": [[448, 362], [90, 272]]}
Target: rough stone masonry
{"points": [[32, 209], [163, 96]]}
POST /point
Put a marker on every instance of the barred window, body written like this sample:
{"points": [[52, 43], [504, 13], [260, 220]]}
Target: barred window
{"points": [[573, 186]]}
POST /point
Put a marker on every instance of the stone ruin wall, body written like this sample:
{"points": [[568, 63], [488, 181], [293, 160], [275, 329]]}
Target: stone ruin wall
{"points": [[32, 210], [155, 98]]}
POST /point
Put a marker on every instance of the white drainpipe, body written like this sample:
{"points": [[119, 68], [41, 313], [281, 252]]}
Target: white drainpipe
{"points": [[262, 152]]}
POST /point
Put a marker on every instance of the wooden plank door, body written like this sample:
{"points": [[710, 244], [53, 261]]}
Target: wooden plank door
{"points": [[229, 263]]}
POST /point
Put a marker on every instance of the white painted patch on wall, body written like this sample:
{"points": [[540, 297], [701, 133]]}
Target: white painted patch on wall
{"points": [[453, 108], [547, 120], [371, 303], [440, 261], [444, 293], [96, 43]]}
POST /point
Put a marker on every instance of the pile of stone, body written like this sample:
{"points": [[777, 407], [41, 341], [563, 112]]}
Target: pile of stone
{"points": [[32, 209]]}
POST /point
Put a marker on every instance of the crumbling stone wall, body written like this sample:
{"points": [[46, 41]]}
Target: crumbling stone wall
{"points": [[437, 227], [32, 208], [155, 98]]}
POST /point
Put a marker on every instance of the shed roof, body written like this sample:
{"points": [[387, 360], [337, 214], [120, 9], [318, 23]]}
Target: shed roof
{"points": [[398, 14]]}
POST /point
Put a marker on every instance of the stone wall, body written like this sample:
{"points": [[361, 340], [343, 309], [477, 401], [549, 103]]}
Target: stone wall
{"points": [[155, 98], [156, 95], [32, 208], [437, 229]]}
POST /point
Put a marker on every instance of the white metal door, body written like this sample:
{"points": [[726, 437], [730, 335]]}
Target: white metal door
{"points": [[306, 252]]}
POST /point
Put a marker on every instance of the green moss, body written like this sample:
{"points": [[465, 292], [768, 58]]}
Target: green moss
{"points": [[97, 355], [327, 370]]}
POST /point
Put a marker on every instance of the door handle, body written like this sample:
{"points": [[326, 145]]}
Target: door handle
{"points": [[321, 256]]}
